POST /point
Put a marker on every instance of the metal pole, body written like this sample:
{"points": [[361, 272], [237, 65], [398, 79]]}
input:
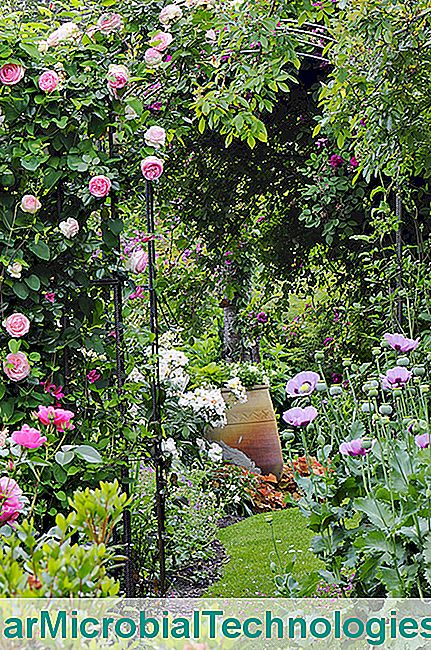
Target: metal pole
{"points": [[399, 253], [156, 422]]}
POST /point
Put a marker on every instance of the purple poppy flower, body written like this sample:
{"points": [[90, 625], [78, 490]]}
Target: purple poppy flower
{"points": [[302, 384], [337, 378], [396, 378], [423, 440], [354, 448], [262, 317], [298, 417], [400, 343]]}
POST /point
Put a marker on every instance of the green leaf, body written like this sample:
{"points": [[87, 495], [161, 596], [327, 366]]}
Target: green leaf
{"points": [[31, 50], [40, 249], [88, 454], [64, 457], [20, 290], [378, 513], [33, 282]]}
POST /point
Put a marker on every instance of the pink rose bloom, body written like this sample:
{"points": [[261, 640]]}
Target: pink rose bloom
{"points": [[109, 23], [152, 168], [155, 137], [69, 228], [28, 437], [45, 414], [11, 506], [16, 366], [30, 204], [153, 57], [161, 41], [170, 13], [10, 511], [62, 419], [118, 76], [48, 81], [138, 261], [11, 74], [100, 186], [17, 325]]}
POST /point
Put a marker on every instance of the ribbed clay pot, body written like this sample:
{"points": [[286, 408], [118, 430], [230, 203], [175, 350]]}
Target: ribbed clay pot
{"points": [[252, 428]]}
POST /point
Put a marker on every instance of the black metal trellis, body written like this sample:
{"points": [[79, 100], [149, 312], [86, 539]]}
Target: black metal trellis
{"points": [[399, 253]]}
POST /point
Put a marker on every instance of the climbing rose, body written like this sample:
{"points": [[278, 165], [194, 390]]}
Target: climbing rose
{"points": [[17, 325], [93, 376], [11, 74], [50, 296], [16, 366], [155, 137], [161, 41], [138, 261], [11, 506], [28, 437], [336, 161], [118, 76], [400, 343], [109, 23], [170, 13], [152, 168], [48, 81], [396, 378], [100, 186], [298, 417], [61, 418], [302, 384], [354, 448], [30, 204], [69, 228], [153, 57], [15, 270], [65, 32]]}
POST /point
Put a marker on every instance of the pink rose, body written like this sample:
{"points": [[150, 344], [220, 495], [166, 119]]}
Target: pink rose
{"points": [[17, 325], [153, 57], [152, 168], [11, 506], [138, 261], [16, 366], [93, 376], [30, 204], [99, 186], [109, 23], [155, 137], [46, 414], [50, 296], [161, 41], [11, 74], [60, 418], [65, 32], [118, 76], [28, 437], [48, 81], [69, 228], [170, 13]]}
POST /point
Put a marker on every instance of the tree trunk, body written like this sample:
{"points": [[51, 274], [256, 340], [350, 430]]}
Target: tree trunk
{"points": [[231, 338]]}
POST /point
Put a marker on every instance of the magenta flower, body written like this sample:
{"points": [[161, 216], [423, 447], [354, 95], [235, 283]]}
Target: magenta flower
{"points": [[423, 440], [336, 161], [396, 378], [50, 296], [10, 493], [353, 162], [261, 317], [302, 384], [93, 376], [28, 437], [400, 343], [354, 448], [60, 418], [298, 417]]}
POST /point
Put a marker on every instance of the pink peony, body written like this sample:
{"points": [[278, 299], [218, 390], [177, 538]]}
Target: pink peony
{"points": [[138, 261], [11, 506], [17, 325], [170, 13], [16, 366], [118, 76], [48, 81], [11, 74], [161, 41], [153, 57], [152, 168], [155, 137], [100, 186], [30, 204], [109, 23], [28, 437]]}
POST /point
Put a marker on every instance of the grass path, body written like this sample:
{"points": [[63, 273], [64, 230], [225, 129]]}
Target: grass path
{"points": [[249, 545]]}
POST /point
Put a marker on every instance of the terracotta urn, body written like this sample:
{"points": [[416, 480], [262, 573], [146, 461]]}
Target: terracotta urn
{"points": [[252, 428]]}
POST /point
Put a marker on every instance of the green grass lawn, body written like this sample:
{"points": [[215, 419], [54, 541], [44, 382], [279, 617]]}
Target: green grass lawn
{"points": [[249, 546]]}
